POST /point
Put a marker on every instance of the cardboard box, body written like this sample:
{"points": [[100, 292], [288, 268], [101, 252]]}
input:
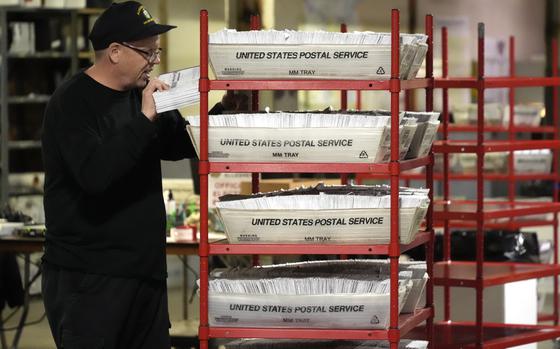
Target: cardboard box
{"points": [[340, 226], [290, 145]]}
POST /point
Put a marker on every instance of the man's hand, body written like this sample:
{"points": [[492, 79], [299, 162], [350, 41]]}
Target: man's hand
{"points": [[148, 104]]}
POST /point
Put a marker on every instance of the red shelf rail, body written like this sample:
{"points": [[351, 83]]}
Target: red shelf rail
{"points": [[470, 209], [385, 169], [463, 335], [496, 82], [278, 84], [500, 128], [360, 178], [455, 146], [509, 225], [399, 325], [221, 248], [463, 274], [406, 323]]}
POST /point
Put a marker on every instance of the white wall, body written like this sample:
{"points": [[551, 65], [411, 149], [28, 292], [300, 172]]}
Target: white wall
{"points": [[525, 19]]}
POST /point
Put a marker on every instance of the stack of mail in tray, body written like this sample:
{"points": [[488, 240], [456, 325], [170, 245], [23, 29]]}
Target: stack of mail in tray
{"points": [[255, 343], [312, 55], [183, 90], [322, 214], [314, 137], [320, 294]]}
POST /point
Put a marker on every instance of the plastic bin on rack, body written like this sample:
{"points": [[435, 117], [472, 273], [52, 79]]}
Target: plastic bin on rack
{"points": [[251, 57]]}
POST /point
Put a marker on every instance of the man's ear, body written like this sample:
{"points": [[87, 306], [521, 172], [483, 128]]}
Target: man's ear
{"points": [[114, 52]]}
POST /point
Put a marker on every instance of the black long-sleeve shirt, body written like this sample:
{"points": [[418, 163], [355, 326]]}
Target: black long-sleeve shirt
{"points": [[103, 196]]}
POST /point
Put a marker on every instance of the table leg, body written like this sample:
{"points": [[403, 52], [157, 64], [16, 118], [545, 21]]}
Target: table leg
{"points": [[185, 288], [2, 334], [26, 290]]}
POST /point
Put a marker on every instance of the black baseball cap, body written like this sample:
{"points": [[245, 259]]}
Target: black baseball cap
{"points": [[124, 21]]}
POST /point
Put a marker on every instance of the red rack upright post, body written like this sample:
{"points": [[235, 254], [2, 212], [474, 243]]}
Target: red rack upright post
{"points": [[343, 93], [203, 248], [255, 24], [394, 250], [511, 132], [343, 106], [480, 152], [555, 169], [446, 193], [429, 28]]}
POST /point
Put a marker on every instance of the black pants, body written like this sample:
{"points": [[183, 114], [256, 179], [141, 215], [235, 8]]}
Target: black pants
{"points": [[90, 311]]}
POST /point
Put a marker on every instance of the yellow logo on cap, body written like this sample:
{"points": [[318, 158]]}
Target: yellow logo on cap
{"points": [[147, 15]]}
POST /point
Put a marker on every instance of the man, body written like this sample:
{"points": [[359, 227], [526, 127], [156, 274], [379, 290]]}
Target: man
{"points": [[104, 265]]}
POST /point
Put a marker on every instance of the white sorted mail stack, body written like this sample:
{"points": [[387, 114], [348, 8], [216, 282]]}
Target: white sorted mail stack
{"points": [[467, 114], [322, 294], [532, 161], [316, 137], [322, 214], [529, 114], [183, 90], [255, 343], [407, 129], [426, 131], [525, 162], [312, 55]]}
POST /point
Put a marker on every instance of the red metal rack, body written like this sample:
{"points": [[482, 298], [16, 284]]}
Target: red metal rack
{"points": [[399, 325], [463, 335], [482, 214]]}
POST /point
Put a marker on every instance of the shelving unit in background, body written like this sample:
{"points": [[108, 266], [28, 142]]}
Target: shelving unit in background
{"points": [[481, 214], [399, 325], [28, 79]]}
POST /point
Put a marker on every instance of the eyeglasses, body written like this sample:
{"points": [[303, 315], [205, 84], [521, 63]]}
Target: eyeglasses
{"points": [[151, 56]]}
